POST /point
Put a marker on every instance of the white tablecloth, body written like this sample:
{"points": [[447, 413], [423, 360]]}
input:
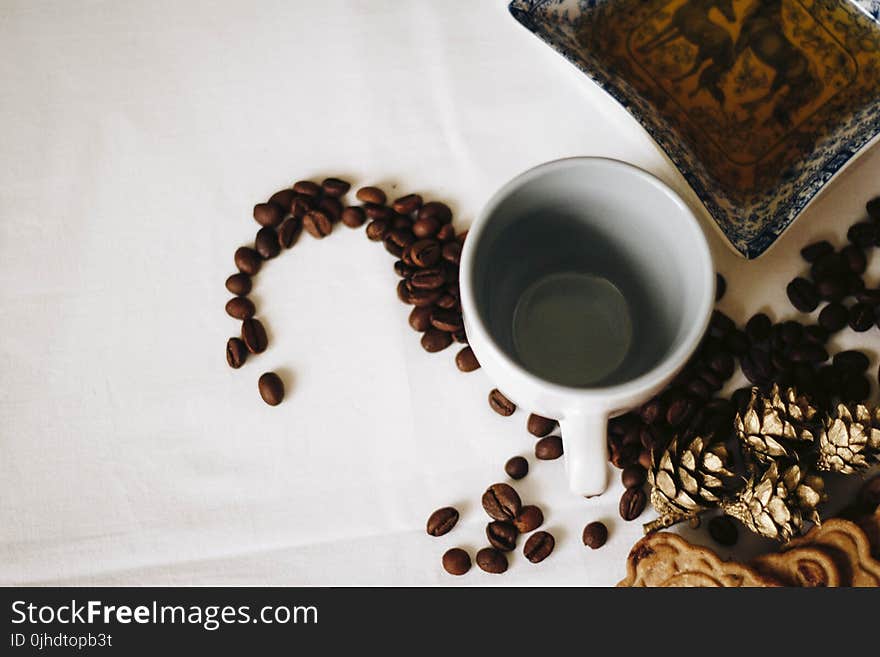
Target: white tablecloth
{"points": [[136, 136]]}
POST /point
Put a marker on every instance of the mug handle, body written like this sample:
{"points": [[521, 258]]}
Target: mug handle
{"points": [[585, 444]]}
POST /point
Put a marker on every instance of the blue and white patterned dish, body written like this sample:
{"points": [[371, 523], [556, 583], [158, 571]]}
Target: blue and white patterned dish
{"points": [[759, 103]]}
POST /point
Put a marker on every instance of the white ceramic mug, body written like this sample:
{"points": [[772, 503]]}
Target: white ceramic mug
{"points": [[586, 284]]}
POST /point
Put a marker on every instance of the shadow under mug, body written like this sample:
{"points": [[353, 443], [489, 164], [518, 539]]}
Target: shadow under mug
{"points": [[586, 284]]}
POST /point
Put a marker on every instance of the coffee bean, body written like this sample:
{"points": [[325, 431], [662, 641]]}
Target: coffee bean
{"points": [[266, 243], [317, 224], [240, 308], [736, 342], [236, 353], [434, 340], [699, 389], [870, 296], [816, 250], [377, 230], [780, 361], [420, 318], [861, 317], [401, 222], [815, 334], [855, 283], [722, 364], [595, 534], [854, 388], [283, 200], [301, 205], [334, 187], [418, 297], [353, 217], [540, 426], [501, 404], [442, 521], [802, 294], [808, 353], [239, 284], [851, 360], [529, 519], [289, 232], [548, 448], [652, 411], [491, 561], [374, 211], [830, 264], [632, 503], [268, 214], [862, 234], [501, 502], [445, 233], [758, 327], [832, 287], [247, 260], [271, 388], [402, 269], [446, 320], [448, 302], [425, 227], [833, 317], [633, 476], [425, 253], [516, 467], [436, 210], [456, 561], [254, 335], [855, 259], [723, 530], [792, 332], [407, 204], [872, 207], [307, 188], [466, 361], [720, 324], [502, 535], [720, 287], [371, 195], [741, 398], [401, 237], [452, 252], [680, 411], [539, 546], [331, 207]]}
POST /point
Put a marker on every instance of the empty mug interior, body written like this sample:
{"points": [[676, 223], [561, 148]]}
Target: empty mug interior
{"points": [[588, 274]]}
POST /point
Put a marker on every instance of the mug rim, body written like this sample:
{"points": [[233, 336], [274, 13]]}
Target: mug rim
{"points": [[655, 376]]}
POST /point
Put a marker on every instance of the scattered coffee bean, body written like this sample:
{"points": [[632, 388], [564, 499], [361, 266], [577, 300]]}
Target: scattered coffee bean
{"points": [[456, 561], [407, 204], [445, 233], [830, 264], [549, 448], [317, 224], [854, 388], [720, 287], [632, 503], [442, 521], [652, 411], [516, 467], [436, 210], [832, 288], [419, 297], [872, 207], [808, 353], [425, 253], [758, 327], [736, 342], [540, 426], [816, 250], [862, 234], [247, 260], [307, 188], [374, 211], [722, 364], [266, 243], [855, 259], [539, 546], [289, 232], [434, 340], [371, 195], [253, 334], [236, 353], [851, 360], [861, 317], [446, 320], [501, 404], [271, 388], [452, 252], [595, 534], [502, 535], [420, 318], [239, 284], [268, 214], [283, 199], [425, 227], [529, 519], [392, 247], [802, 294], [680, 411], [833, 317], [353, 217], [871, 297], [331, 207], [466, 361], [501, 502], [815, 334], [377, 230], [301, 205], [491, 561], [634, 476], [240, 308], [334, 187], [448, 302], [720, 324], [723, 530]]}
